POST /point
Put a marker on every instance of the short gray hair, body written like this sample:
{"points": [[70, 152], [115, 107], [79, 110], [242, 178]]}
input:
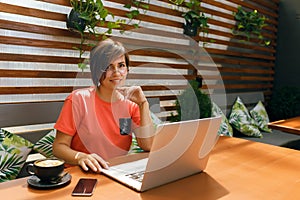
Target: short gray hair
{"points": [[103, 55]]}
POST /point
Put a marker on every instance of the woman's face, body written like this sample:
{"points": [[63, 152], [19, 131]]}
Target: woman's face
{"points": [[115, 74]]}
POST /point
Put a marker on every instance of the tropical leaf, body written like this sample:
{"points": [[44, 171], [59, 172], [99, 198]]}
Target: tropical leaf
{"points": [[10, 165], [15, 140], [44, 146], [135, 148], [2, 136], [241, 120], [225, 128], [260, 115], [13, 153]]}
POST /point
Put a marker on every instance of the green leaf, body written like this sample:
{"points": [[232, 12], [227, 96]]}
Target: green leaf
{"points": [[177, 2], [135, 13], [145, 6], [113, 25], [10, 166], [128, 6], [129, 15], [268, 42], [104, 13], [82, 66]]}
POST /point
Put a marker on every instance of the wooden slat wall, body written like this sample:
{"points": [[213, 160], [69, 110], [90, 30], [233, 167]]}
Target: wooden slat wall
{"points": [[38, 62]]}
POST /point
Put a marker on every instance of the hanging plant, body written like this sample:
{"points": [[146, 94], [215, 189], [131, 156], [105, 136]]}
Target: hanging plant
{"points": [[136, 7], [195, 19], [249, 24], [86, 15], [84, 18]]}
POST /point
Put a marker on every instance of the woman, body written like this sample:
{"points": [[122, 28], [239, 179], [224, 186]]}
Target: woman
{"points": [[88, 130]]}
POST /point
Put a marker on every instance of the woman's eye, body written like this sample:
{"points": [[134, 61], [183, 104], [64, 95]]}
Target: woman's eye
{"points": [[121, 65]]}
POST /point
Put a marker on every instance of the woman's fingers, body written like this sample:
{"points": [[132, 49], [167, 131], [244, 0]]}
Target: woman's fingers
{"points": [[93, 162], [125, 91], [133, 93], [100, 160]]}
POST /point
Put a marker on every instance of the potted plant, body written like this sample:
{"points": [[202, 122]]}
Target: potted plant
{"points": [[195, 20], [84, 17], [192, 103], [250, 23]]}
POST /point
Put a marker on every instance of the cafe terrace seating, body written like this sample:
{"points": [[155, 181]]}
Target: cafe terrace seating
{"points": [[39, 67]]}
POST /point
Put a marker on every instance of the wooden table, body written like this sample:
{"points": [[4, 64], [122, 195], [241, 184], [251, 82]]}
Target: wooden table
{"points": [[291, 125], [237, 169]]}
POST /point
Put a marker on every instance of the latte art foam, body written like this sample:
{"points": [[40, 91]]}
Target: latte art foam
{"points": [[49, 163]]}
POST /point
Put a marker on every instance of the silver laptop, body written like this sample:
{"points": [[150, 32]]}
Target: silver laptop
{"points": [[179, 149]]}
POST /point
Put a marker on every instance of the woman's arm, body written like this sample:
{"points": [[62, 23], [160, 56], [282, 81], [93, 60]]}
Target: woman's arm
{"points": [[62, 149], [145, 132]]}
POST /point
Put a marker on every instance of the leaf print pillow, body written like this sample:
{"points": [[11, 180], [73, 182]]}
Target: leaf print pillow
{"points": [[260, 115], [241, 120], [13, 154], [225, 128], [44, 145]]}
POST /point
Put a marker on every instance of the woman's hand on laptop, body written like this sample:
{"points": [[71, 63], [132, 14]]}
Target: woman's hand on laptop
{"points": [[91, 161]]}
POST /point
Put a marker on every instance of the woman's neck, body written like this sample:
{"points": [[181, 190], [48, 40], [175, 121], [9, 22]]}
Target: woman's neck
{"points": [[108, 95]]}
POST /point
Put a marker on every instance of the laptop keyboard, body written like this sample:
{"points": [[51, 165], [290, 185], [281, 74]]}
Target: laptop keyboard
{"points": [[138, 176]]}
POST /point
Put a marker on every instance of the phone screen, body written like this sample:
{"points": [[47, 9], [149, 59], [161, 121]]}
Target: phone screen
{"points": [[84, 187]]}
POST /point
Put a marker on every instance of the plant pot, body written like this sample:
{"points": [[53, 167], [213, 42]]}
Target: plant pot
{"points": [[189, 29], [74, 22]]}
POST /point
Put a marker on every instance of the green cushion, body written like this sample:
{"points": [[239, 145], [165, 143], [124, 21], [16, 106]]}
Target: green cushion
{"points": [[260, 115], [241, 120], [44, 145], [225, 128], [13, 154]]}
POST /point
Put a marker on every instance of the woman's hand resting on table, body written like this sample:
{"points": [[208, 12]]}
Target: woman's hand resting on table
{"points": [[91, 161]]}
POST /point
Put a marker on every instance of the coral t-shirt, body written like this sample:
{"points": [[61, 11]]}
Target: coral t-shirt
{"points": [[94, 123]]}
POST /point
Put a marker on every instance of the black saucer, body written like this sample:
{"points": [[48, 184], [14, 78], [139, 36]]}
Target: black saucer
{"points": [[35, 182]]}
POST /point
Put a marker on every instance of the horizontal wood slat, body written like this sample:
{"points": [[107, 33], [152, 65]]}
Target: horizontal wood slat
{"points": [[30, 28], [240, 54], [7, 8], [242, 87], [64, 89], [243, 66], [42, 74], [38, 43], [49, 89], [35, 90], [38, 58], [161, 76], [58, 2]]}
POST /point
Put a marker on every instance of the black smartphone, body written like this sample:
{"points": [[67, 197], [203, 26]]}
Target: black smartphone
{"points": [[84, 187]]}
